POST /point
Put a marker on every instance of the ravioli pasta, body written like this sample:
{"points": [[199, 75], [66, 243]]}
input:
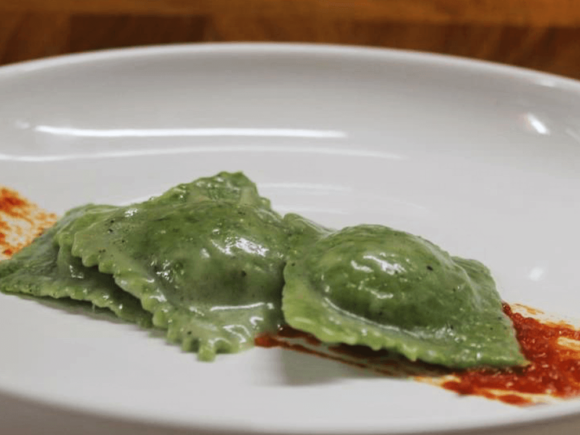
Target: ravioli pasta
{"points": [[43, 269], [211, 263], [374, 286], [205, 259]]}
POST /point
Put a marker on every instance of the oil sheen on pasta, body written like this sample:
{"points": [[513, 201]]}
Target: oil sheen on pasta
{"points": [[215, 266]]}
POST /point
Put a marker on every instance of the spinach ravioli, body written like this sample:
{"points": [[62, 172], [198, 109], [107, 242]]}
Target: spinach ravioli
{"points": [[42, 269], [214, 265], [386, 289], [205, 258]]}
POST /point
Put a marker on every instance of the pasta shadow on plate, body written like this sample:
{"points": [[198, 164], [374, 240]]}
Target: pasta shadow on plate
{"points": [[303, 366], [81, 308]]}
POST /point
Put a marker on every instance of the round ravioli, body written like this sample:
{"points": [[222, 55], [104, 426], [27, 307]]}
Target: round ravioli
{"points": [[374, 286], [208, 265]]}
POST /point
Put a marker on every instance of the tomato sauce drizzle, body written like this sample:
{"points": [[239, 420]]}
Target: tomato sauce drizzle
{"points": [[554, 368], [553, 350], [20, 222]]}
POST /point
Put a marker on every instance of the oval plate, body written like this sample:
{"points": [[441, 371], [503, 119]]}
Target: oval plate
{"points": [[482, 159]]}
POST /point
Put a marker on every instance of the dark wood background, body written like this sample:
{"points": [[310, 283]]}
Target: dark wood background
{"points": [[539, 34]]}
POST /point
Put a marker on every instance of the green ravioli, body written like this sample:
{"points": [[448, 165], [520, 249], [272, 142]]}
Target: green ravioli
{"points": [[214, 265], [225, 186], [43, 270], [206, 258], [386, 289]]}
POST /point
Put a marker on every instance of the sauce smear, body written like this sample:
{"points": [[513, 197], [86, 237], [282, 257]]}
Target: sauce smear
{"points": [[21, 221], [554, 354], [553, 351]]}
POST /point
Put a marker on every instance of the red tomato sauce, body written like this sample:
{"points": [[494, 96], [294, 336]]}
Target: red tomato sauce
{"points": [[554, 368], [20, 218]]}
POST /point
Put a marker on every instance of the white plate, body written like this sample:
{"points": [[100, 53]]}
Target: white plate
{"points": [[481, 159]]}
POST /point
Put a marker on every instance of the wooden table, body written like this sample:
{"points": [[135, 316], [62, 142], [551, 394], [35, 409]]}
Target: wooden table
{"points": [[539, 34]]}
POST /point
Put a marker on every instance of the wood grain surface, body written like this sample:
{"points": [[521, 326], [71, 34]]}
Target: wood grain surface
{"points": [[539, 34]]}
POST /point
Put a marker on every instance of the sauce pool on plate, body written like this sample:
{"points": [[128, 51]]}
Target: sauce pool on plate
{"points": [[552, 349]]}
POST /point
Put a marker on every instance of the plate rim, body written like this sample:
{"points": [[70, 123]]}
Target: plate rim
{"points": [[350, 53], [286, 48]]}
